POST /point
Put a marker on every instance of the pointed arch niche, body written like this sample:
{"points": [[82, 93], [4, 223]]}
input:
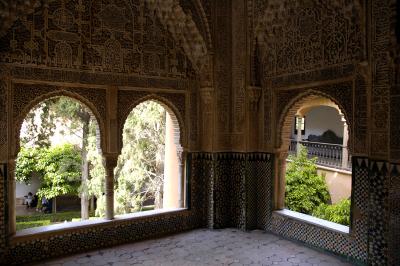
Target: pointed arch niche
{"points": [[149, 175], [77, 144], [333, 158]]}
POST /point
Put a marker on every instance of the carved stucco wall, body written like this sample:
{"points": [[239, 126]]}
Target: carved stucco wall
{"points": [[297, 36], [3, 120], [305, 45], [104, 43], [109, 55], [343, 50], [101, 36], [206, 59]]}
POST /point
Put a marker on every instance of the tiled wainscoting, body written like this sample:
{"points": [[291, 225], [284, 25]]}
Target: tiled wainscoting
{"points": [[240, 194], [236, 190]]}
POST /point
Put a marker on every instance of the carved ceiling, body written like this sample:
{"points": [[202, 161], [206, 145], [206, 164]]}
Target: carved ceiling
{"points": [[201, 16], [107, 35], [184, 30]]}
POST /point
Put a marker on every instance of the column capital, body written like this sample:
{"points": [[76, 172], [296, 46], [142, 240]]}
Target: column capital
{"points": [[110, 160], [179, 152]]}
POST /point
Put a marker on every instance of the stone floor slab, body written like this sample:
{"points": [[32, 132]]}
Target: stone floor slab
{"points": [[206, 247]]}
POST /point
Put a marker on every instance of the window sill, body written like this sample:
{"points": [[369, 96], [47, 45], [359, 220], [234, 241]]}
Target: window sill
{"points": [[342, 171], [60, 228], [313, 221]]}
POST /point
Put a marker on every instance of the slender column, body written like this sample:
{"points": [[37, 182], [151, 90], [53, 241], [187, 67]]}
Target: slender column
{"points": [[11, 197], [345, 152], [181, 183], [299, 120], [110, 162]]}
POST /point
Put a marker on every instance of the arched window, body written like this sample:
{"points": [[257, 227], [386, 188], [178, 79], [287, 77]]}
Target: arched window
{"points": [[59, 171], [149, 172], [317, 170]]}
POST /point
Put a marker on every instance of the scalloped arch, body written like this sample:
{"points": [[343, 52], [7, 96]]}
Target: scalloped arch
{"points": [[296, 104], [177, 120], [59, 93]]}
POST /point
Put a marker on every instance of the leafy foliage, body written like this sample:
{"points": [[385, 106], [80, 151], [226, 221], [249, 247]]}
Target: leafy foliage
{"points": [[59, 168], [26, 164], [96, 183], [305, 189], [337, 213], [39, 125], [139, 173]]}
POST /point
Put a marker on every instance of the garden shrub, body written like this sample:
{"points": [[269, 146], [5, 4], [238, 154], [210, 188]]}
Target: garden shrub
{"points": [[337, 213], [305, 189]]}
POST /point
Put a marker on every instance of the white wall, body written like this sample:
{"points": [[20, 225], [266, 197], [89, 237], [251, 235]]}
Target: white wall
{"points": [[21, 189], [338, 182], [319, 120]]}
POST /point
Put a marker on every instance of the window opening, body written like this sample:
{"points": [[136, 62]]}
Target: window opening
{"points": [[318, 168], [59, 171], [149, 170]]}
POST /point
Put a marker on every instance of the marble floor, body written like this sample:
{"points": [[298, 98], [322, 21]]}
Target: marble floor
{"points": [[206, 247]]}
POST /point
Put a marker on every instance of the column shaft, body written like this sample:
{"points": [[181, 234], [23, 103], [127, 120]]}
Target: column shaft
{"points": [[299, 122], [345, 152], [12, 227], [110, 164]]}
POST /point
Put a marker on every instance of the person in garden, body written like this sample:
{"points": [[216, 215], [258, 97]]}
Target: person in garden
{"points": [[29, 200]]}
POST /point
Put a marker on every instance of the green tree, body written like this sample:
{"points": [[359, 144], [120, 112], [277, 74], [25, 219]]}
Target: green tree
{"points": [[96, 183], [78, 117], [305, 189], [59, 168], [27, 164], [140, 169], [40, 125]]}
